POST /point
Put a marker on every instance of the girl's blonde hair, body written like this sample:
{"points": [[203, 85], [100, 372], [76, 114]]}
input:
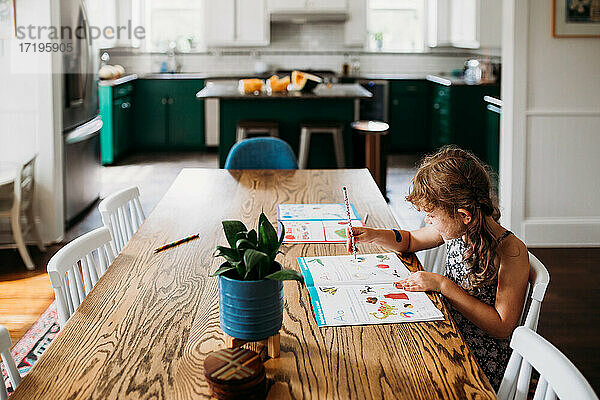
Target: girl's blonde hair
{"points": [[452, 179]]}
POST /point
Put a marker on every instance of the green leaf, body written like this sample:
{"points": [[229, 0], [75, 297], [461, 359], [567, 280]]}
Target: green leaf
{"points": [[222, 269], [286, 275], [282, 233], [267, 237], [253, 237], [244, 244], [231, 229], [232, 256], [254, 258]]}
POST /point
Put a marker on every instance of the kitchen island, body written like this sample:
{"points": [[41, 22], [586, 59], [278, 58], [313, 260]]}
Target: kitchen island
{"points": [[334, 102]]}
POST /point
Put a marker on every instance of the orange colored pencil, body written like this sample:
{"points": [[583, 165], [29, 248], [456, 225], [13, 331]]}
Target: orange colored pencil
{"points": [[177, 243]]}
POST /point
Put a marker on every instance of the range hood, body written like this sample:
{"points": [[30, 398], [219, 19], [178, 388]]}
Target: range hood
{"points": [[303, 16]]}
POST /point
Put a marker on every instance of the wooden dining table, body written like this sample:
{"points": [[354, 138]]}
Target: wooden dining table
{"points": [[145, 329]]}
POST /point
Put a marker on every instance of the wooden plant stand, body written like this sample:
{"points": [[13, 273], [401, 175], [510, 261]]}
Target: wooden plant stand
{"points": [[271, 343]]}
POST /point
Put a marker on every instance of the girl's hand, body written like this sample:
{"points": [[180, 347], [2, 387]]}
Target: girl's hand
{"points": [[421, 281], [361, 235]]}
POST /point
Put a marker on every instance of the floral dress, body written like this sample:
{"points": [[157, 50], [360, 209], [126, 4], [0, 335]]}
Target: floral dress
{"points": [[492, 354]]}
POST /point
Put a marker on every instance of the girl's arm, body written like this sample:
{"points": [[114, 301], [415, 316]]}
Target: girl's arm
{"points": [[498, 320], [421, 239]]}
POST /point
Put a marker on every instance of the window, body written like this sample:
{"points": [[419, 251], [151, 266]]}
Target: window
{"points": [[396, 25], [178, 21]]}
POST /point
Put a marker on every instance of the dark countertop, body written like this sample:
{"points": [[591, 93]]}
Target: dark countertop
{"points": [[336, 90]]}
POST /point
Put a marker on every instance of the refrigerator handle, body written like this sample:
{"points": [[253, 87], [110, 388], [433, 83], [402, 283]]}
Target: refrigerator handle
{"points": [[89, 49], [84, 132]]}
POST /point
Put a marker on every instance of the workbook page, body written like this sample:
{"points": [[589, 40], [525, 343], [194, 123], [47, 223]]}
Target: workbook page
{"points": [[340, 270], [314, 212], [338, 305], [316, 231], [348, 291]]}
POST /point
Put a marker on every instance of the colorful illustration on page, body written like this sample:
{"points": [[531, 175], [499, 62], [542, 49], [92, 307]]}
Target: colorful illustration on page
{"points": [[384, 310]]}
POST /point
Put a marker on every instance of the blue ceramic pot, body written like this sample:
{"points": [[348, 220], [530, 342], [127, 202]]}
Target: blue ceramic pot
{"points": [[250, 310]]}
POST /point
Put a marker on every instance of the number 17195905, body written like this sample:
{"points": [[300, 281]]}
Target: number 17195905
{"points": [[46, 47]]}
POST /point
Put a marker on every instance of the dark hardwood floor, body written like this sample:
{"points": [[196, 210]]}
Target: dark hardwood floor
{"points": [[568, 318]]}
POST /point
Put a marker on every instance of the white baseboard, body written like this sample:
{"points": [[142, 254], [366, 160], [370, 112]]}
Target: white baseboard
{"points": [[554, 232]]}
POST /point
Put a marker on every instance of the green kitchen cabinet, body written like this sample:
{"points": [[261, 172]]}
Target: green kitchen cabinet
{"points": [[409, 115], [116, 109], [458, 116], [493, 135], [123, 124], [169, 117], [186, 114]]}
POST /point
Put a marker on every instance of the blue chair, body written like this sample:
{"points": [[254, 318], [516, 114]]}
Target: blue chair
{"points": [[261, 153]]}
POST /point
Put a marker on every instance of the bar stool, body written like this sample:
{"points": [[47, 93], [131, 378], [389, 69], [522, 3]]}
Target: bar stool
{"points": [[373, 131], [330, 127], [250, 127]]}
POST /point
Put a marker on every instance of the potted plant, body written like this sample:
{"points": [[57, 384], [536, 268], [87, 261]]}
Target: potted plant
{"points": [[378, 36], [251, 281]]}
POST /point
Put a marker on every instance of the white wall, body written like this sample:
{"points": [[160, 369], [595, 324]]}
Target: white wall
{"points": [[27, 115], [550, 183]]}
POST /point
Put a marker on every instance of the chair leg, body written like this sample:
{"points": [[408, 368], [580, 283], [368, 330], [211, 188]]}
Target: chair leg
{"points": [[36, 228], [338, 143], [241, 134], [18, 235], [304, 146]]}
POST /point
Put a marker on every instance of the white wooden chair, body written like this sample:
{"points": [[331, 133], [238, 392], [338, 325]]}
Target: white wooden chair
{"points": [[558, 376], [16, 202], [122, 214], [434, 259], [9, 363], [539, 278], [75, 269]]}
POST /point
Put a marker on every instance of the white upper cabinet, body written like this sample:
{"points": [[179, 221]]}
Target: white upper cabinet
{"points": [[307, 5], [237, 23], [355, 29], [465, 23]]}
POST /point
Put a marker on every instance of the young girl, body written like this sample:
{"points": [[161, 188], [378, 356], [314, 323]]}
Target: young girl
{"points": [[487, 267]]}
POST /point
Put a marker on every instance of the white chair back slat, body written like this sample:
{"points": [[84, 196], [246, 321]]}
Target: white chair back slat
{"points": [[67, 294], [93, 270], [122, 213], [126, 210], [539, 278], [85, 271], [122, 224], [541, 389], [550, 395], [138, 212], [114, 224], [9, 363], [559, 378], [72, 284], [62, 305], [77, 294], [523, 381]]}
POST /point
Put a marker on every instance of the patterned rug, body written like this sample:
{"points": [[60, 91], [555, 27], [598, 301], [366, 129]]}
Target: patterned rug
{"points": [[31, 346]]}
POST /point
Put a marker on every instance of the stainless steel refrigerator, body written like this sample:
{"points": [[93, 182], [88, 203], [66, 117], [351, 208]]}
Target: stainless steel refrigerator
{"points": [[81, 120]]}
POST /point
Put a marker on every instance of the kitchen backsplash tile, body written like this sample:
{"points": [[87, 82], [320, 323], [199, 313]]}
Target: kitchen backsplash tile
{"points": [[295, 46]]}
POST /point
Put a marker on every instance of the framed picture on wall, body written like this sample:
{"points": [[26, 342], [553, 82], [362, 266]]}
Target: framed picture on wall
{"points": [[576, 18], [7, 19]]}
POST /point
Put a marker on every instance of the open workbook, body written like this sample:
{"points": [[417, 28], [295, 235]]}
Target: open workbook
{"points": [[362, 292], [315, 223]]}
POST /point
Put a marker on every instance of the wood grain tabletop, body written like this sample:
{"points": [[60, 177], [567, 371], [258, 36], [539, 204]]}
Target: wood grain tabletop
{"points": [[145, 329]]}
